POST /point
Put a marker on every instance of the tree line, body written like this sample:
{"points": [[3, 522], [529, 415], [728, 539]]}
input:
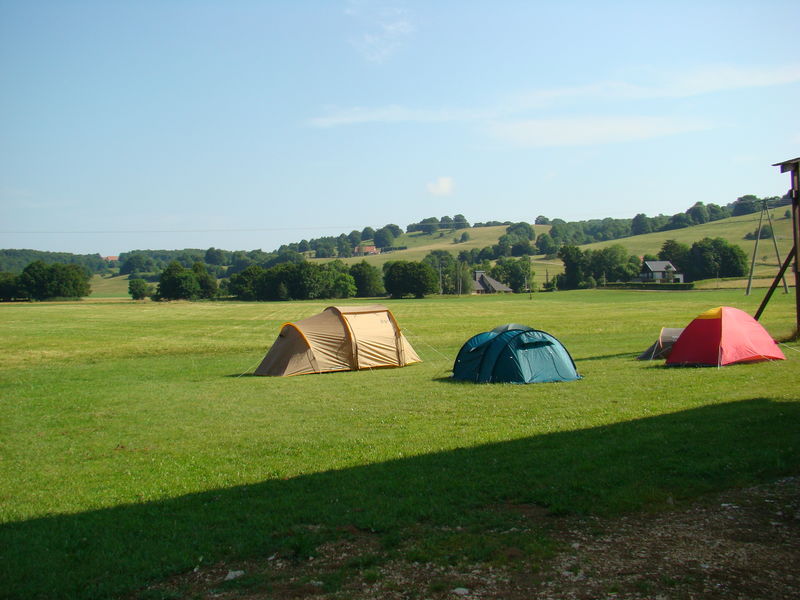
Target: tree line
{"points": [[601, 230], [705, 259], [42, 281], [14, 261]]}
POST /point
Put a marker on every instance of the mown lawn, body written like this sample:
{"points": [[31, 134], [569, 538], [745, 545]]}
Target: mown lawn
{"points": [[133, 442]]}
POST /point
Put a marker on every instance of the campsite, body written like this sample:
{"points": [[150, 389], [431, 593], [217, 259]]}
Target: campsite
{"points": [[141, 458]]}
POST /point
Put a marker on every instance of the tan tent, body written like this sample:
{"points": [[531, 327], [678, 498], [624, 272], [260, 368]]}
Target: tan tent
{"points": [[662, 347], [340, 338]]}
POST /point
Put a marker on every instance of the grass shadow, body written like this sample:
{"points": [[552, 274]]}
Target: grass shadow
{"points": [[602, 470]]}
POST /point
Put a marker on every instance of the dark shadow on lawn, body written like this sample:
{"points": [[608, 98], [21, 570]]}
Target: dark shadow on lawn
{"points": [[603, 470]]}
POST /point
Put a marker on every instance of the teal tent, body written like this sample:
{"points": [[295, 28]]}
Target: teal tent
{"points": [[514, 354]]}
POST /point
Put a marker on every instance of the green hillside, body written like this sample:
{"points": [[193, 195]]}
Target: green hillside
{"points": [[732, 229]]}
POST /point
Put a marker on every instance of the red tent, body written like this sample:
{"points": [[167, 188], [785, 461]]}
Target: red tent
{"points": [[723, 336]]}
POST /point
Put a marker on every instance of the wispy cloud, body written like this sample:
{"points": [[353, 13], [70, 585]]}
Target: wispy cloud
{"points": [[442, 186], [522, 119], [703, 80], [584, 131], [385, 28]]}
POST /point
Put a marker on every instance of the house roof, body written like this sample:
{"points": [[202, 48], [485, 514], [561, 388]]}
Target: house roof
{"points": [[657, 266], [484, 283]]}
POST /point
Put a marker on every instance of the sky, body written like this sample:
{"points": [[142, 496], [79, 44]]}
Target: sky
{"points": [[250, 124]]}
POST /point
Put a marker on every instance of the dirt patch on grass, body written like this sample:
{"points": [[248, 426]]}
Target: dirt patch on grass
{"points": [[742, 544]]}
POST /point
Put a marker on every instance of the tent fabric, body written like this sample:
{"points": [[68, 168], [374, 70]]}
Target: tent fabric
{"points": [[514, 354], [340, 338], [662, 347], [723, 336]]}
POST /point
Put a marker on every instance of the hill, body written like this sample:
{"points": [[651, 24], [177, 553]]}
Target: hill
{"points": [[732, 229]]}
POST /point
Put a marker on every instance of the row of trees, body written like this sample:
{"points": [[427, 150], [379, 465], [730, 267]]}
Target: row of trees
{"points": [[438, 272], [599, 230], [40, 281], [14, 261], [705, 259]]}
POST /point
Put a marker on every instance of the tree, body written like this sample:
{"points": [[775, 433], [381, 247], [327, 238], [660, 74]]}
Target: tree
{"points": [[9, 289], [215, 256], [344, 247], [745, 205], [354, 237], [542, 220], [137, 263], [368, 280], [698, 213], [460, 222], [716, 212], [464, 237], [765, 233], [402, 278], [515, 273], [325, 250], [446, 222], [678, 221], [676, 253], [612, 263], [139, 289], [368, 233], [40, 281], [32, 282], [575, 267], [521, 230], [715, 258], [641, 225], [546, 245], [383, 238], [446, 270], [395, 229], [177, 283], [207, 282]]}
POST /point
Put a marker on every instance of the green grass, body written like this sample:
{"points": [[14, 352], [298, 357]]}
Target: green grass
{"points": [[109, 286], [133, 442]]}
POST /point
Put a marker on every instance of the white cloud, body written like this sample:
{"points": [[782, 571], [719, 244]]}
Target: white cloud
{"points": [[700, 81], [442, 186], [522, 120], [387, 28], [584, 131]]}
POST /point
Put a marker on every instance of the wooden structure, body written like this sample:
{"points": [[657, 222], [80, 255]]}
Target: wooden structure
{"points": [[793, 167]]}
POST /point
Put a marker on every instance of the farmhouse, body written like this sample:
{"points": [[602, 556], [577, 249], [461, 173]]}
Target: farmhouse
{"points": [[367, 249], [660, 271], [483, 284]]}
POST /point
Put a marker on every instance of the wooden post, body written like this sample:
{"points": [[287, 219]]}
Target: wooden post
{"points": [[793, 167]]}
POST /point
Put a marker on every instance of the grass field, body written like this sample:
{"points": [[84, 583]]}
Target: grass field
{"points": [[134, 444]]}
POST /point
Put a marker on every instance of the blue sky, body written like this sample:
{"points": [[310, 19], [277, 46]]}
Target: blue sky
{"points": [[243, 125]]}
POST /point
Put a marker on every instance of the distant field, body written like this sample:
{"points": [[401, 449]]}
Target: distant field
{"points": [[134, 445], [104, 286]]}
